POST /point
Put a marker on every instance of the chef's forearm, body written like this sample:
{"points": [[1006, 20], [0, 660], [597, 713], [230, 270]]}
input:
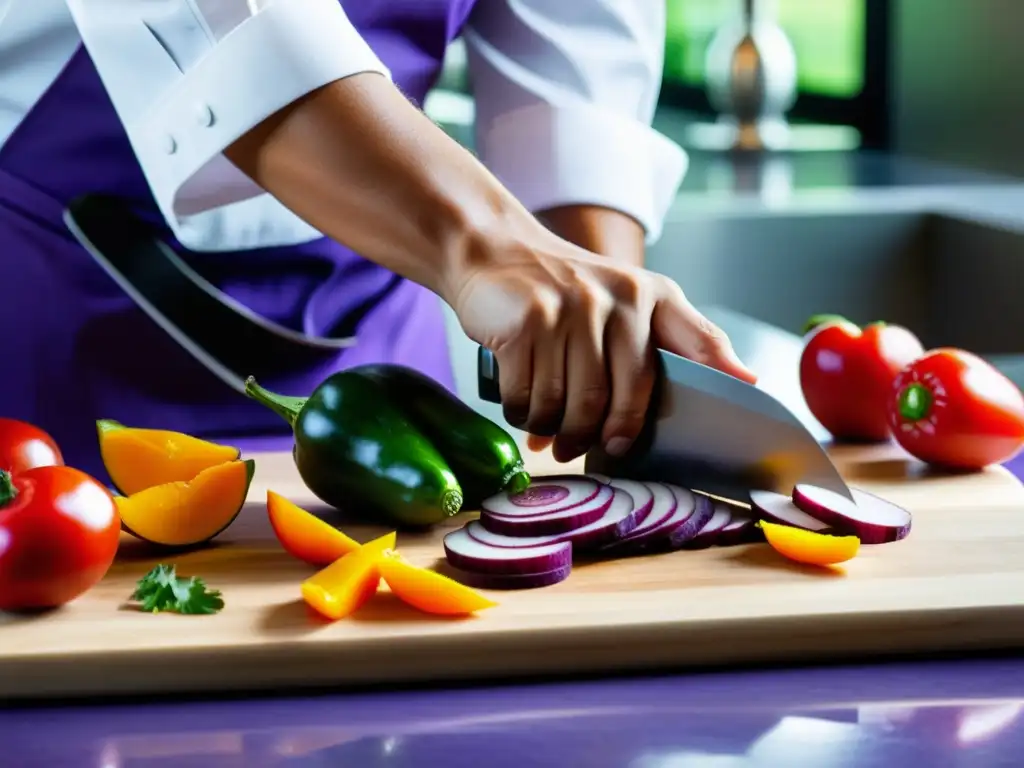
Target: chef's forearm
{"points": [[599, 230], [365, 167]]}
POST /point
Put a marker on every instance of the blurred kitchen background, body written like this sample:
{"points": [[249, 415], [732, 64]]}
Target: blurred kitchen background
{"points": [[863, 157]]}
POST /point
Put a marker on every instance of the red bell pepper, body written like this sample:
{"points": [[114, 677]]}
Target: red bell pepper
{"points": [[953, 409]]}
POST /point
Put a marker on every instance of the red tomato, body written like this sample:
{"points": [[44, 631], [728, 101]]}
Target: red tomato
{"points": [[953, 409], [23, 446], [59, 530], [846, 375]]}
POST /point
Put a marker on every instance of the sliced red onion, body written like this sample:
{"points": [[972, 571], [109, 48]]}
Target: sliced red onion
{"points": [[509, 581], [683, 529], [662, 506], [465, 552], [740, 530], [618, 520], [721, 516], [550, 523], [544, 496], [643, 499], [777, 508], [870, 518], [602, 479]]}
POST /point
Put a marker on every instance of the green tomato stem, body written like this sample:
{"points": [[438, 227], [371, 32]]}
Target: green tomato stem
{"points": [[817, 320]]}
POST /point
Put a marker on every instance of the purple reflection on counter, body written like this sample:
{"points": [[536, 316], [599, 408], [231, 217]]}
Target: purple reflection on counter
{"points": [[928, 714]]}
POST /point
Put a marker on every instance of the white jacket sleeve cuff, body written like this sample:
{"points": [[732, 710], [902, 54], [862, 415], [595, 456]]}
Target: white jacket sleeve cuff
{"points": [[269, 60], [553, 155]]}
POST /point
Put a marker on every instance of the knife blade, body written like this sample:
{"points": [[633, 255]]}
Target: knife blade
{"points": [[710, 432]]}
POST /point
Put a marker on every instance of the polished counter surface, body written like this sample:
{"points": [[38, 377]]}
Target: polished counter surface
{"points": [[928, 714]]}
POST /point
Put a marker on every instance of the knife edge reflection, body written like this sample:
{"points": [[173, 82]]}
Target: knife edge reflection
{"points": [[714, 433]]}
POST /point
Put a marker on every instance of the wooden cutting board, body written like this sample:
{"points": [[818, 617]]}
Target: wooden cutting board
{"points": [[956, 583]]}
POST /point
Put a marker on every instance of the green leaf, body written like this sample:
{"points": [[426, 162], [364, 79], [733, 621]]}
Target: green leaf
{"points": [[161, 590], [195, 598], [154, 582]]}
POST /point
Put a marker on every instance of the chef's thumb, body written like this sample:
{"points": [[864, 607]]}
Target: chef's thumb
{"points": [[679, 328]]}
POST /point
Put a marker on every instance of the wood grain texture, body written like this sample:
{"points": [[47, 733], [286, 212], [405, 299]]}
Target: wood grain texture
{"points": [[956, 583]]}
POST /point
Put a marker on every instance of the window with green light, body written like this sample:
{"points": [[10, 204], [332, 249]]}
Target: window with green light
{"points": [[827, 35]]}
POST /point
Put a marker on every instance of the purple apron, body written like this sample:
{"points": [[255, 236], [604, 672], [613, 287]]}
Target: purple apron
{"points": [[74, 348]]}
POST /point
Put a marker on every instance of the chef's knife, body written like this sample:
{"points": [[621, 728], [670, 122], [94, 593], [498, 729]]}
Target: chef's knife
{"points": [[226, 337], [711, 432]]}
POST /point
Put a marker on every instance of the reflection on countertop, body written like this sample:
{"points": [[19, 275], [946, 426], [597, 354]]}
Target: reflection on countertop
{"points": [[731, 173], [842, 168], [925, 714]]}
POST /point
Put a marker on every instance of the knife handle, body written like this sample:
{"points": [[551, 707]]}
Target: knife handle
{"points": [[487, 376]]}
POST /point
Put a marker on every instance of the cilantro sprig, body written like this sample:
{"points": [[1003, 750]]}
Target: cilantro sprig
{"points": [[163, 590]]}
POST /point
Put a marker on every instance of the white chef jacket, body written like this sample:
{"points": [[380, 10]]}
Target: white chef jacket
{"points": [[565, 93]]}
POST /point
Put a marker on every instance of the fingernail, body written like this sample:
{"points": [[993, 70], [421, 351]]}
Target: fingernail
{"points": [[617, 446]]}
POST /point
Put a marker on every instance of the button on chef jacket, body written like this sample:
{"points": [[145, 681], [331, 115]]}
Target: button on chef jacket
{"points": [[139, 99]]}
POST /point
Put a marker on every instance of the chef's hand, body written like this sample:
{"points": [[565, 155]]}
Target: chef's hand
{"points": [[601, 230], [574, 335]]}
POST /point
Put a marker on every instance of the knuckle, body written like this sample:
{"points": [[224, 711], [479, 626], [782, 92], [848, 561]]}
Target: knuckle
{"points": [[553, 393], [554, 385], [547, 406], [604, 304], [588, 294], [515, 404], [664, 281], [630, 428], [669, 287], [592, 399], [629, 287], [518, 394], [713, 338], [627, 421], [544, 308], [583, 298]]}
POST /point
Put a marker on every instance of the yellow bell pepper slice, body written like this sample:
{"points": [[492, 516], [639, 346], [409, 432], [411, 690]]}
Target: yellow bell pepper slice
{"points": [[809, 547]]}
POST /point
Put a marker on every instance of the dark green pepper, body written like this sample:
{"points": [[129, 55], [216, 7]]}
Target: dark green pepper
{"points": [[359, 453], [484, 457]]}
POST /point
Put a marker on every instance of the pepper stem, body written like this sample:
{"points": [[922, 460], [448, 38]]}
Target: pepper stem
{"points": [[518, 483], [451, 503], [7, 490], [284, 406], [817, 320], [915, 402]]}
